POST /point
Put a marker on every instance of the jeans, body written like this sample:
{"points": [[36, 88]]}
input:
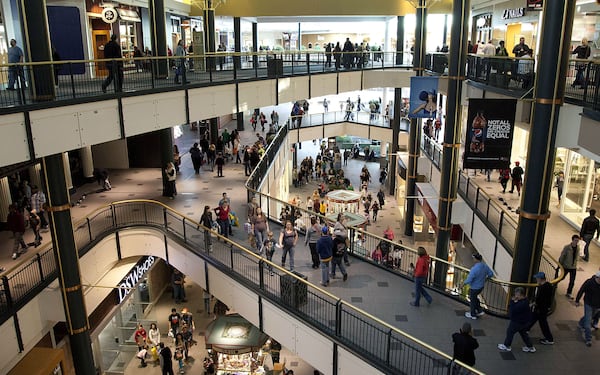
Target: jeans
{"points": [[286, 251], [14, 72], [419, 290], [116, 73], [337, 261], [324, 272], [585, 322], [474, 301], [178, 293], [19, 242], [572, 274], [586, 250], [542, 318], [224, 224], [313, 254], [514, 327]]}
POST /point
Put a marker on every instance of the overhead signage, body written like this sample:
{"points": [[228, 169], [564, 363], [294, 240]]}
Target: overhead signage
{"points": [[423, 97], [535, 4], [513, 13], [109, 14], [134, 276]]}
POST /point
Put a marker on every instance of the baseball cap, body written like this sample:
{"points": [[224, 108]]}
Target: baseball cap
{"points": [[477, 256], [325, 229], [541, 275]]}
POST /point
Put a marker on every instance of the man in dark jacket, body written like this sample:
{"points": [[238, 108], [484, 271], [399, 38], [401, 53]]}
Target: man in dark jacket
{"points": [[464, 346], [589, 227], [165, 358], [591, 305], [520, 317], [325, 250], [542, 304], [112, 50], [16, 224]]}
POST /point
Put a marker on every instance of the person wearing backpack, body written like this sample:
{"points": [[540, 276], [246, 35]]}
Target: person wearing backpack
{"points": [[339, 249], [287, 241]]}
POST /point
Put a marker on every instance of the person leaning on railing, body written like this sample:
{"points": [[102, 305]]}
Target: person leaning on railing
{"points": [[476, 279], [583, 51]]}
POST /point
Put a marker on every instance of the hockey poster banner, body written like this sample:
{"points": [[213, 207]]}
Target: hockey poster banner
{"points": [[423, 97], [490, 128]]}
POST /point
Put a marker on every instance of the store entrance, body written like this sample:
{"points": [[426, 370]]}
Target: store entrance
{"points": [[99, 39]]}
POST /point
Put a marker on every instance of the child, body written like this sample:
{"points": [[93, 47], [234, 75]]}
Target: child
{"points": [[269, 249]]}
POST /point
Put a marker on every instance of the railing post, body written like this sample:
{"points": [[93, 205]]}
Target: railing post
{"points": [[338, 318], [114, 216], [500, 225], [9, 301], [261, 274], [230, 254], [477, 198], [351, 241], [184, 236], [72, 80], [389, 347], [38, 259], [87, 220], [165, 217]]}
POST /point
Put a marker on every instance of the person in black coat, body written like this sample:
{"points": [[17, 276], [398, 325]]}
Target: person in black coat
{"points": [[196, 156], [464, 346], [542, 304], [520, 318], [112, 50], [166, 359]]}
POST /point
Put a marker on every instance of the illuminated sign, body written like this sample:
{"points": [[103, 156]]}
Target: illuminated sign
{"points": [[109, 15], [513, 13], [133, 277]]}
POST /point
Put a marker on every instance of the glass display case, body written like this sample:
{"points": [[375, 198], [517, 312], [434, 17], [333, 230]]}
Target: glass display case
{"points": [[343, 201]]}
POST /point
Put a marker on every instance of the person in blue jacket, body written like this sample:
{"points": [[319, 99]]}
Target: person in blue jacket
{"points": [[325, 250], [520, 318], [476, 279]]}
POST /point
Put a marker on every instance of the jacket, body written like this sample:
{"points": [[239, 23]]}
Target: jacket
{"points": [[422, 266], [16, 222], [464, 347], [590, 226], [325, 247], [313, 234], [592, 293], [519, 311], [543, 298], [568, 257], [478, 274]]}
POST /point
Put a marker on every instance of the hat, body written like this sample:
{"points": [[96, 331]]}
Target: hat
{"points": [[325, 229], [466, 328], [541, 275], [477, 256], [597, 274]]}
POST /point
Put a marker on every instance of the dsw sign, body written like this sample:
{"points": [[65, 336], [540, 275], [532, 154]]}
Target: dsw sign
{"points": [[133, 277]]}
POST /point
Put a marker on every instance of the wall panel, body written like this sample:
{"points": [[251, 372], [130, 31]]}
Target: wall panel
{"points": [[323, 85], [291, 89], [13, 143]]}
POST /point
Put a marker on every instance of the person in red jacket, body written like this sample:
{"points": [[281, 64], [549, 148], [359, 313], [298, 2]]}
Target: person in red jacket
{"points": [[223, 218], [421, 272], [16, 224]]}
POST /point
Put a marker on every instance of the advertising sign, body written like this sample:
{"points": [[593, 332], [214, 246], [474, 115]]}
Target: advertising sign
{"points": [[535, 4], [423, 97], [490, 127], [133, 277]]}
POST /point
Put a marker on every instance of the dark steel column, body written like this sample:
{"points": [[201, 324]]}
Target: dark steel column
{"points": [[451, 146], [37, 48], [552, 63], [166, 153], [158, 37], [255, 45], [237, 40], [395, 135], [67, 259], [209, 34], [414, 134], [400, 41]]}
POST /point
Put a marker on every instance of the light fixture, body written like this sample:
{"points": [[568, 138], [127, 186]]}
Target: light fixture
{"points": [[481, 22]]}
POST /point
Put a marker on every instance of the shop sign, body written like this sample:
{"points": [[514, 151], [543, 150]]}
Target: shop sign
{"points": [[109, 14], [134, 276], [535, 4], [513, 13]]}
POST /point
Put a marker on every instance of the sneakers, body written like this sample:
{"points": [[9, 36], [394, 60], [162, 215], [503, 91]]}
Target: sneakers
{"points": [[569, 296], [413, 304], [15, 255], [546, 342], [504, 348], [588, 343], [481, 313], [469, 316], [345, 277], [529, 349]]}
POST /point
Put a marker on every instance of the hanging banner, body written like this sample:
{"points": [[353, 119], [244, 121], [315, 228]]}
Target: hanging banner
{"points": [[490, 128], [423, 97]]}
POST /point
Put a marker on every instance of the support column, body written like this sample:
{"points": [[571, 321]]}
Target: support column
{"points": [[37, 44], [452, 133], [255, 44], [214, 130], [67, 258], [87, 161], [67, 167], [166, 153], [414, 134], [541, 152], [400, 41], [237, 40], [5, 199], [158, 36], [395, 135], [35, 175], [209, 34]]}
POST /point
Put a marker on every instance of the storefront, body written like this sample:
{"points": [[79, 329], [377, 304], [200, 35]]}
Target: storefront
{"points": [[115, 320]]}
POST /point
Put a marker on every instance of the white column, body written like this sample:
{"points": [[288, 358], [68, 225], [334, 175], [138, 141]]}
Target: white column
{"points": [[5, 199], [87, 161], [67, 166], [383, 149], [34, 175]]}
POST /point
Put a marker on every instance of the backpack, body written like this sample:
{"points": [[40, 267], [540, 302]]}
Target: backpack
{"points": [[339, 247]]}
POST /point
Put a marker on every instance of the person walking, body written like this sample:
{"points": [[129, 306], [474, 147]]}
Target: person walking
{"points": [[520, 318], [568, 259], [165, 359], [288, 238], [559, 184], [112, 50], [222, 212], [35, 225], [589, 227], [313, 234], [174, 322], [591, 305], [207, 221], [15, 72], [178, 282], [220, 162], [420, 275], [476, 280], [170, 189], [38, 202], [180, 63], [324, 247], [517, 178], [16, 224], [260, 226], [504, 178], [140, 336], [196, 156], [340, 230], [464, 348], [542, 303]]}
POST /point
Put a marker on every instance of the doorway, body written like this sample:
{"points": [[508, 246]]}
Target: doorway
{"points": [[99, 39], [513, 32]]}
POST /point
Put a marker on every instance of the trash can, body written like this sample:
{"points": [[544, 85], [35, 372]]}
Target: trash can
{"points": [[274, 67], [293, 292]]}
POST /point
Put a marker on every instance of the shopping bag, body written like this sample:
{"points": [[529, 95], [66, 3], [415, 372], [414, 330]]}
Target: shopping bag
{"points": [[142, 353], [248, 228], [154, 353]]}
